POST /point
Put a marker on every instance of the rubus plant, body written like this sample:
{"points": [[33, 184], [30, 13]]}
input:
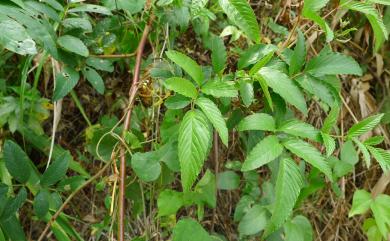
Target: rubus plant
{"points": [[190, 131]]}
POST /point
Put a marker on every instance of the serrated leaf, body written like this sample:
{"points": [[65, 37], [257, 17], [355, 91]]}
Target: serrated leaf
{"points": [[332, 63], [381, 156], [169, 202], [317, 88], [220, 89], [65, 82], [16, 161], [206, 190], [187, 64], [242, 15], [91, 8], [94, 79], [57, 170], [258, 121], [331, 120], [288, 186], [218, 53], [214, 115], [360, 203], [310, 154], [329, 143], [181, 86], [73, 44], [194, 144], [255, 53], [380, 208], [301, 129], [264, 152], [41, 203], [364, 126], [188, 226], [254, 221], [373, 141], [310, 9], [285, 87], [299, 55], [363, 149], [146, 165]]}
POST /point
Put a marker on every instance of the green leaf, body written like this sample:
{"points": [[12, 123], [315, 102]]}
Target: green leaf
{"points": [[285, 87], [214, 115], [348, 153], [194, 144], [261, 63], [332, 63], [264, 87], [187, 64], [310, 154], [181, 86], [383, 2], [242, 15], [100, 64], [364, 126], [15, 38], [310, 9], [13, 229], [41, 203], [257, 121], [329, 143], [331, 120], [92, 8], [299, 55], [78, 23], [382, 157], [65, 82], [228, 180], [363, 149], [298, 229], [373, 141], [218, 53], [317, 88], [254, 221], [220, 89], [206, 190], [246, 92], [13, 205], [380, 207], [255, 53], [189, 230], [16, 161], [169, 202], [57, 170], [146, 165], [301, 129], [288, 186], [177, 101], [94, 79], [73, 44], [264, 152]]}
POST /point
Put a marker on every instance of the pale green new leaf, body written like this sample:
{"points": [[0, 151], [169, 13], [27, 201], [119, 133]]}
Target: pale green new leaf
{"points": [[242, 15], [189, 230], [301, 129], [187, 64], [220, 89], [329, 143], [360, 203], [364, 126], [194, 144], [73, 44], [288, 186], [181, 86], [380, 207], [383, 2], [264, 152], [299, 55], [285, 87], [310, 154], [257, 121], [331, 120], [215, 117]]}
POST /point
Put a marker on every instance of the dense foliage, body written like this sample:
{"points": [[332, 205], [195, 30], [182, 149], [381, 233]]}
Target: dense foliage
{"points": [[233, 126]]}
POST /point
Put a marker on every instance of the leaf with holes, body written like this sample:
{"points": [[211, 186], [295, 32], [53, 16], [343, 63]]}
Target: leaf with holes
{"points": [[65, 82]]}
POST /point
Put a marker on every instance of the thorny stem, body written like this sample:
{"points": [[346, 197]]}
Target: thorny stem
{"points": [[132, 94]]}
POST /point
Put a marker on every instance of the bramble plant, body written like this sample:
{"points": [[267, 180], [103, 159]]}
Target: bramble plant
{"points": [[218, 104]]}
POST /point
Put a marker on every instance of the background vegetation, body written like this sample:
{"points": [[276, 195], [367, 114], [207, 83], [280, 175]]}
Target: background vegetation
{"points": [[194, 120]]}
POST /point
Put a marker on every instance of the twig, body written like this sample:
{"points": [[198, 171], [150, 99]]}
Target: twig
{"points": [[59, 211], [113, 56], [216, 170], [132, 94]]}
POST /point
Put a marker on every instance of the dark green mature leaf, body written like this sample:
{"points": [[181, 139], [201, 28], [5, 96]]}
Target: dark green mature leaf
{"points": [[181, 86], [255, 53], [288, 186], [257, 121], [261, 63], [100, 64], [228, 180], [73, 44], [91, 8], [254, 221], [65, 82], [220, 89], [242, 15], [331, 63], [285, 87], [310, 154], [169, 202], [146, 165], [43, 9], [301, 129], [299, 55], [13, 229], [194, 144], [177, 101], [16, 161], [41, 203], [264, 152], [218, 53], [317, 88], [189, 230], [94, 79], [57, 170], [363, 126], [78, 23], [15, 38], [187, 64], [215, 117], [14, 204]]}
